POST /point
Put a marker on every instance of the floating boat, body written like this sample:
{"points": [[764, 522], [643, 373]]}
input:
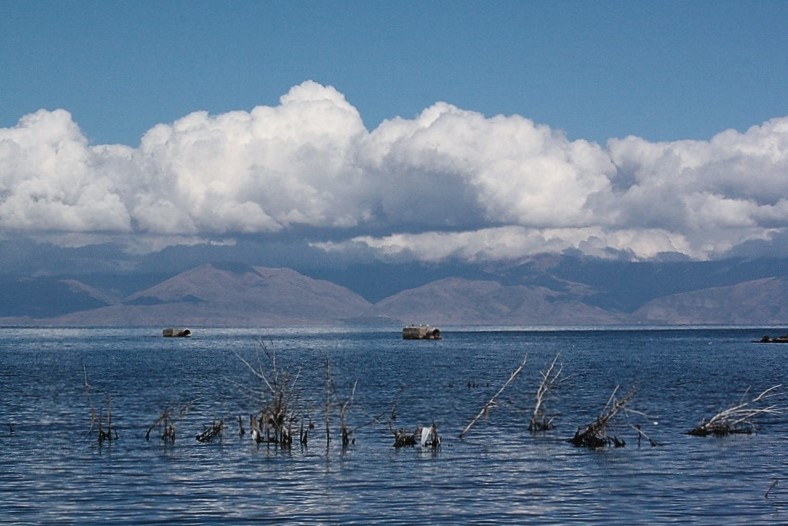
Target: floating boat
{"points": [[421, 332], [777, 339], [176, 333]]}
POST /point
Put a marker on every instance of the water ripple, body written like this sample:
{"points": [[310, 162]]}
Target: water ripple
{"points": [[53, 471]]}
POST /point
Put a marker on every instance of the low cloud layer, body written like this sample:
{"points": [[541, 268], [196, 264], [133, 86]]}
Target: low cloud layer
{"points": [[449, 183]]}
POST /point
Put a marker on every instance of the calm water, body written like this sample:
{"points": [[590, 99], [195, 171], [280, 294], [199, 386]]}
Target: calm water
{"points": [[52, 470]]}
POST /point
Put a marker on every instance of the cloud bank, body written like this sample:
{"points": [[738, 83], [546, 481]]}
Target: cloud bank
{"points": [[449, 183]]}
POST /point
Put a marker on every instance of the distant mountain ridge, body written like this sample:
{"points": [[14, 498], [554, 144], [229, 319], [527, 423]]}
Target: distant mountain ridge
{"points": [[457, 301], [214, 295], [763, 301], [241, 295]]}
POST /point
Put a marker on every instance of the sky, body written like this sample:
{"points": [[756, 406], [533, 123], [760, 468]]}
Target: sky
{"points": [[402, 131]]}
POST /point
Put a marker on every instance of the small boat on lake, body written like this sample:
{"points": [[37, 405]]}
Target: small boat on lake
{"points": [[176, 333], [776, 339], [421, 332]]}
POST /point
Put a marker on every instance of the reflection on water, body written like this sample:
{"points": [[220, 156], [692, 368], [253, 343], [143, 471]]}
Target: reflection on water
{"points": [[51, 470]]}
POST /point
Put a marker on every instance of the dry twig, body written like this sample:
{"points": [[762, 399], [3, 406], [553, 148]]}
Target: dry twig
{"points": [[540, 421], [485, 410]]}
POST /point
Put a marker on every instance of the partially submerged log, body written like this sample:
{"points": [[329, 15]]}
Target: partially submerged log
{"points": [[739, 418]]}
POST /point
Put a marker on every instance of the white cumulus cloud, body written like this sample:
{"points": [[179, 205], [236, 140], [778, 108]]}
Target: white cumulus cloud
{"points": [[448, 183]]}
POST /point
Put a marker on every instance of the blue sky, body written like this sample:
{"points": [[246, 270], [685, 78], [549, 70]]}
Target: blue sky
{"points": [[430, 131], [659, 70]]}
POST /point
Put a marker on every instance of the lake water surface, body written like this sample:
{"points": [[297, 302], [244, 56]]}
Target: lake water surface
{"points": [[52, 470]]}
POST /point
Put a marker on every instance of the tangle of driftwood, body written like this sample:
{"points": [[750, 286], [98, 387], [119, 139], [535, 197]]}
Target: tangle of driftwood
{"points": [[595, 435], [739, 418]]}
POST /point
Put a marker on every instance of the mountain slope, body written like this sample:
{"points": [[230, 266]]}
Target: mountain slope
{"points": [[46, 296], [536, 294], [456, 301], [212, 295], [757, 302]]}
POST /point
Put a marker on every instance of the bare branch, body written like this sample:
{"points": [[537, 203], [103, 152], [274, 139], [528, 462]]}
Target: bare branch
{"points": [[491, 403], [740, 418], [595, 434], [550, 378]]}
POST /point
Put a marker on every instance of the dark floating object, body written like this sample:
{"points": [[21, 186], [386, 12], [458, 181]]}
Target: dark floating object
{"points": [[778, 339], [176, 333], [421, 332], [595, 435]]}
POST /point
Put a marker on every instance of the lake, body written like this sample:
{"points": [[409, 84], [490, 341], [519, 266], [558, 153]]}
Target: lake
{"points": [[53, 469]]}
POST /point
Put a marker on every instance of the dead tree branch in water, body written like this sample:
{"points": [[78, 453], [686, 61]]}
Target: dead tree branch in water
{"points": [[89, 396], [595, 435], [110, 432], [166, 423], [540, 420], [105, 430], [485, 410], [273, 424], [211, 431], [641, 434], [343, 406], [327, 405], [740, 418]]}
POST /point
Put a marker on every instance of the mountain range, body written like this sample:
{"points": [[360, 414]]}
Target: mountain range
{"points": [[546, 291]]}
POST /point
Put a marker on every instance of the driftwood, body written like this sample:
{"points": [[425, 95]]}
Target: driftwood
{"points": [[540, 420], [211, 431], [491, 403], [739, 418], [595, 435]]}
